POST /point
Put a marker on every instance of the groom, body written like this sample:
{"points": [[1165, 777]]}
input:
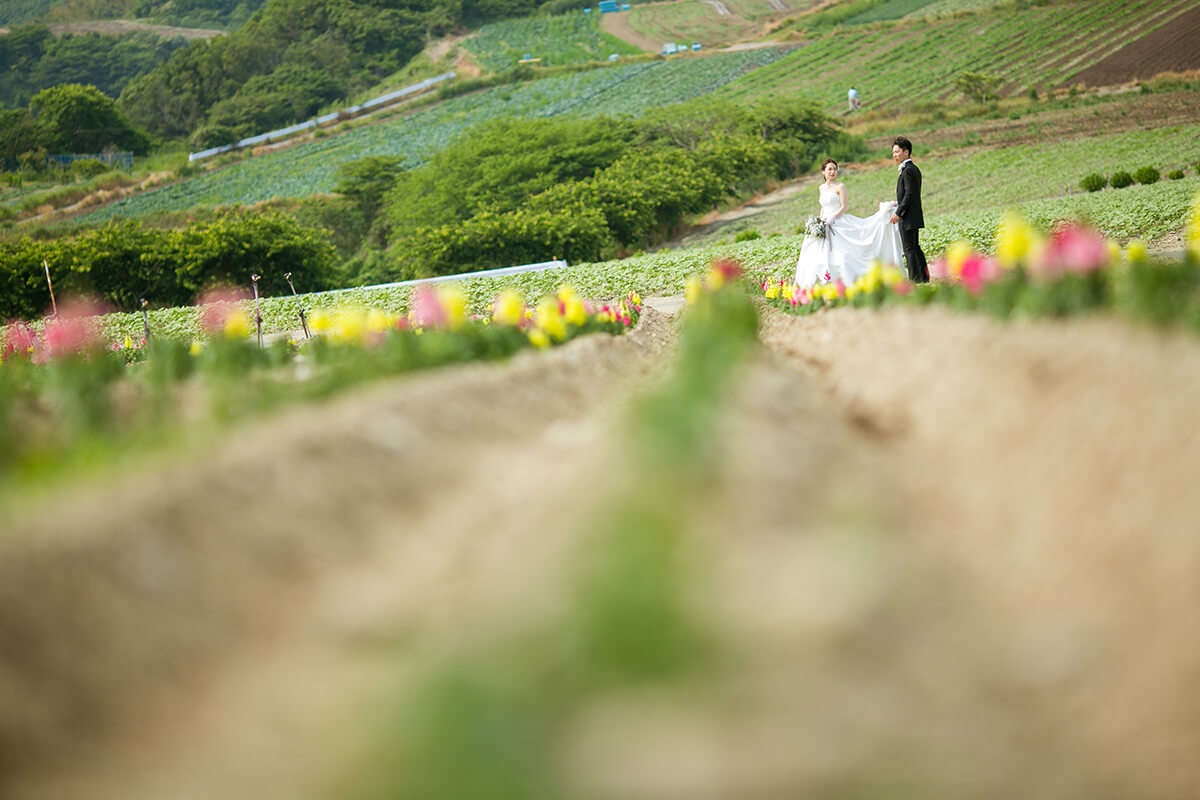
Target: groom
{"points": [[908, 210]]}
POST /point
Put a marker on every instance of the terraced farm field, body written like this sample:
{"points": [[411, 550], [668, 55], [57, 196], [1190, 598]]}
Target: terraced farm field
{"points": [[908, 62], [310, 168], [565, 39], [695, 21]]}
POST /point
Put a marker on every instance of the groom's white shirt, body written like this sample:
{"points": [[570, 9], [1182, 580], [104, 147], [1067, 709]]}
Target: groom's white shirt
{"points": [[902, 163]]}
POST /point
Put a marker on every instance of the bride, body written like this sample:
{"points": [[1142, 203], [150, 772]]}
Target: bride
{"points": [[851, 244]]}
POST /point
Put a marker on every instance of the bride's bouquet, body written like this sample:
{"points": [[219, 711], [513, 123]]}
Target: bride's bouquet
{"points": [[815, 227]]}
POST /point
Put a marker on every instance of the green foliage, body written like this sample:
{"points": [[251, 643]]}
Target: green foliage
{"points": [[976, 86], [32, 60], [562, 39], [1120, 179], [1094, 182], [88, 168], [311, 168], [229, 14], [515, 192], [499, 164], [367, 181], [1146, 175], [748, 235], [124, 262], [81, 119], [20, 133], [289, 59], [1175, 174]]}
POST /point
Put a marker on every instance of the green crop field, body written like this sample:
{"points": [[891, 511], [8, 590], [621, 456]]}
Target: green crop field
{"points": [[565, 39], [965, 194], [913, 61], [892, 9], [940, 7], [311, 168]]}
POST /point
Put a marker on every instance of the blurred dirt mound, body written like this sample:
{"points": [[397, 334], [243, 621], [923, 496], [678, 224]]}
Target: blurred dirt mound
{"points": [[118, 600]]}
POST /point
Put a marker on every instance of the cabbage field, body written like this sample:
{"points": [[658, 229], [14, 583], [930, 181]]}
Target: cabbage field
{"points": [[310, 168]]}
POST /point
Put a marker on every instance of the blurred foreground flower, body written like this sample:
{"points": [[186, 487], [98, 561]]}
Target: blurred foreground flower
{"points": [[221, 313], [75, 331], [1072, 248], [1193, 230], [508, 308]]}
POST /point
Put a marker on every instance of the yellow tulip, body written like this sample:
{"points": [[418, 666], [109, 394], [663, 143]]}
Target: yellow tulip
{"points": [[454, 303], [1014, 240], [692, 289], [508, 308], [378, 322], [538, 338], [1135, 252], [237, 325], [1193, 231], [547, 318], [959, 252], [321, 321]]}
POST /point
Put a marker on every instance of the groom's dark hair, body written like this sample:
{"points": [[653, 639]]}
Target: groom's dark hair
{"points": [[903, 143]]}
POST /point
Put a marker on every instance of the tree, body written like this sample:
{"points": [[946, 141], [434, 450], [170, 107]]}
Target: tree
{"points": [[82, 119], [977, 86]]}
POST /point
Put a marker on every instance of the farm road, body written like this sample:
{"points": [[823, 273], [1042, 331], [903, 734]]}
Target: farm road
{"points": [[943, 553]]}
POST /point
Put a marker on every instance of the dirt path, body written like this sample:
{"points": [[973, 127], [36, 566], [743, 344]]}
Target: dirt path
{"points": [[950, 555], [116, 27], [618, 25]]}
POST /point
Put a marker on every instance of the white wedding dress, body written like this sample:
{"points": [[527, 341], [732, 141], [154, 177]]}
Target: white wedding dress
{"points": [[851, 244]]}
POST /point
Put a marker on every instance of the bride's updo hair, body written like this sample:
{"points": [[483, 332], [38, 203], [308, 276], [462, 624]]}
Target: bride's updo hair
{"points": [[827, 162]]}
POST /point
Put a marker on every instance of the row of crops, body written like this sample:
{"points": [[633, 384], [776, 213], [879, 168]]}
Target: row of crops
{"points": [[565, 39], [1040, 46], [892, 9], [311, 168]]}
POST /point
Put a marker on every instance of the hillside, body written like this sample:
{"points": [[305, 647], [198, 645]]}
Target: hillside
{"points": [[907, 62], [220, 14]]}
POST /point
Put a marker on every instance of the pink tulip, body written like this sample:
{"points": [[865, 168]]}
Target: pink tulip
{"points": [[903, 288], [978, 271], [939, 269], [217, 305], [427, 310], [1071, 248], [840, 287], [728, 268], [19, 341], [74, 330]]}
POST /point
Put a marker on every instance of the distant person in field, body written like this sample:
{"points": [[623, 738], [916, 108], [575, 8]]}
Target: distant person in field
{"points": [[855, 105], [908, 216]]}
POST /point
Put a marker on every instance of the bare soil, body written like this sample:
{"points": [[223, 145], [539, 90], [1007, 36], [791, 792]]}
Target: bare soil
{"points": [[951, 555], [116, 27], [1170, 48]]}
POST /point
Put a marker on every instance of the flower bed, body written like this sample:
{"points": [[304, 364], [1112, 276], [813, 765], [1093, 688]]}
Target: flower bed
{"points": [[1072, 270], [68, 395]]}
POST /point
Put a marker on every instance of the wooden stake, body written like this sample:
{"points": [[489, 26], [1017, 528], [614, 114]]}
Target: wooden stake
{"points": [[49, 283]]}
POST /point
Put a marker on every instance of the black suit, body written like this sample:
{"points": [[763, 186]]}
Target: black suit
{"points": [[912, 219]]}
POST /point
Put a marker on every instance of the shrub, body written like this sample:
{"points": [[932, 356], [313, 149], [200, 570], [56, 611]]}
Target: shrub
{"points": [[746, 236], [1146, 175], [1120, 179], [1094, 182], [1175, 174], [88, 168]]}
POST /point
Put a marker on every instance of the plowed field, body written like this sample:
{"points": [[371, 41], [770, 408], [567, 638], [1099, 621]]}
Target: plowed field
{"points": [[1174, 47]]}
